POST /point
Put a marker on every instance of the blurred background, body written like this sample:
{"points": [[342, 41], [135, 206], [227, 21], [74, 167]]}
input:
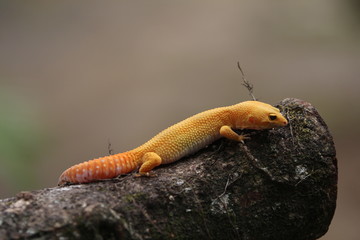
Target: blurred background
{"points": [[75, 76]]}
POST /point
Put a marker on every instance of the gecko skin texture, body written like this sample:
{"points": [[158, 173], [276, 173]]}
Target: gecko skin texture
{"points": [[181, 139]]}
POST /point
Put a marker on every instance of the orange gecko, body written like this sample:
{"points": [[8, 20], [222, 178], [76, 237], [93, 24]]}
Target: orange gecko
{"points": [[179, 140]]}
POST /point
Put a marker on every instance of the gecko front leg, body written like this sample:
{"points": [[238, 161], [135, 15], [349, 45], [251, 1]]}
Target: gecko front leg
{"points": [[228, 133]]}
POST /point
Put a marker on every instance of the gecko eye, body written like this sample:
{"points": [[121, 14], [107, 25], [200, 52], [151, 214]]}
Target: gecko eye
{"points": [[272, 116]]}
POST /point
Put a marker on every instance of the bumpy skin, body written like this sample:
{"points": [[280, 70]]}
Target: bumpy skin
{"points": [[183, 138]]}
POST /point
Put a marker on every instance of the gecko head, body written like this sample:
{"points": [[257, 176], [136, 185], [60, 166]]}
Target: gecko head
{"points": [[262, 116]]}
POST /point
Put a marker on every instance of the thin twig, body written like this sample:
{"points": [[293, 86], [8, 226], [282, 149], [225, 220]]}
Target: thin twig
{"points": [[291, 129], [246, 83], [228, 183], [146, 215], [256, 162], [226, 186], [110, 150], [303, 179]]}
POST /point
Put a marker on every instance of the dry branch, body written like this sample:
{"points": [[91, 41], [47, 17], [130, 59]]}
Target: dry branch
{"points": [[281, 184]]}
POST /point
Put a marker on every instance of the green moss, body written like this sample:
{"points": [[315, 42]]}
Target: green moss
{"points": [[134, 197]]}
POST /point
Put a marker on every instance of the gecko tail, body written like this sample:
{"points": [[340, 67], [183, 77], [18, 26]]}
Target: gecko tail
{"points": [[99, 168]]}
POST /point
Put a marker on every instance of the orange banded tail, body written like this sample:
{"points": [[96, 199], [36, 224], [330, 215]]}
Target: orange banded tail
{"points": [[99, 168]]}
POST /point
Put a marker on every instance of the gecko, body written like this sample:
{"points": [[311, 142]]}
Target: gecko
{"points": [[179, 140]]}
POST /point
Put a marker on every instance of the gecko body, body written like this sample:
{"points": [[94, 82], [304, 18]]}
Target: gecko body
{"points": [[179, 140]]}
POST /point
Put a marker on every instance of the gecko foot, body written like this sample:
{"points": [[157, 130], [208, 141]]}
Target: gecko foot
{"points": [[243, 137]]}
